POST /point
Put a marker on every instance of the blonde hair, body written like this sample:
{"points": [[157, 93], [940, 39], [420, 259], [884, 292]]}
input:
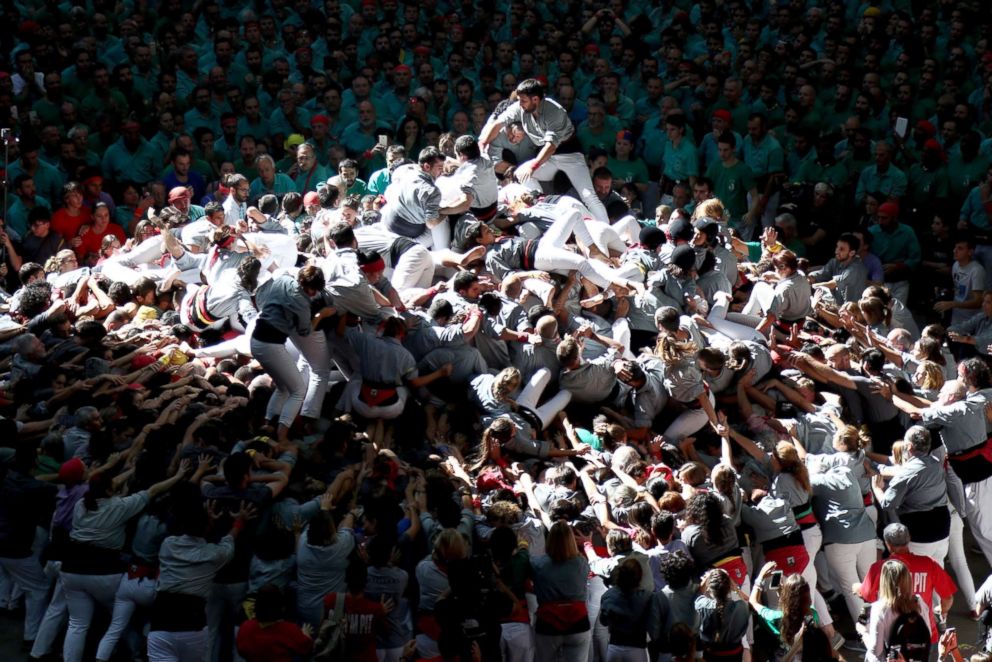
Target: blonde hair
{"points": [[712, 208], [788, 459], [895, 587], [902, 450], [507, 381], [560, 544], [875, 311], [851, 439], [54, 263], [933, 376], [449, 546], [672, 350]]}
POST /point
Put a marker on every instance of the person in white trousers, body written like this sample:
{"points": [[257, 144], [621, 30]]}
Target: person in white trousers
{"points": [[547, 124]]}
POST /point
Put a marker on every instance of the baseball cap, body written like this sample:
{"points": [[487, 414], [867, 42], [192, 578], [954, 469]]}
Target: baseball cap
{"points": [[723, 114], [293, 140], [320, 119], [708, 226], [72, 471], [890, 209], [178, 192], [684, 257], [311, 198]]}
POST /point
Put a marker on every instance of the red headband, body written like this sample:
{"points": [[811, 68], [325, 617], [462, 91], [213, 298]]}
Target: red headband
{"points": [[373, 267]]}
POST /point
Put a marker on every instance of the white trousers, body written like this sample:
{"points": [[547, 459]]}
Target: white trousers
{"points": [[574, 166], [732, 330], [315, 365], [83, 593], [687, 423], [531, 394], [178, 646], [290, 386], [27, 573], [616, 653], [414, 270], [958, 561], [351, 401], [935, 550], [517, 642], [55, 617], [978, 510], [849, 564], [567, 647], [131, 594]]}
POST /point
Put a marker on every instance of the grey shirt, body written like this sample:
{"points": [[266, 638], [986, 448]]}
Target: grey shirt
{"points": [[920, 485], [793, 298], [412, 200], [839, 507], [187, 564], [382, 360], [851, 278], [770, 518], [962, 424], [104, 527], [284, 305], [591, 382], [549, 125]]}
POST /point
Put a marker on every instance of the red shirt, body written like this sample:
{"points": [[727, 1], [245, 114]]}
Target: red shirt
{"points": [[93, 240], [279, 642], [68, 226], [364, 619], [928, 577]]}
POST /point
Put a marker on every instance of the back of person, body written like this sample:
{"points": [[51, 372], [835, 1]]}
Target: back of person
{"points": [[909, 636]]}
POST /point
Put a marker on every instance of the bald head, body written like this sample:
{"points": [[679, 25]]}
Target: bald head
{"points": [[547, 327]]}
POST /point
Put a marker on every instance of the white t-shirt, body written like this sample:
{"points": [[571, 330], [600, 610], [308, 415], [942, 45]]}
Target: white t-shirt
{"points": [[967, 279]]}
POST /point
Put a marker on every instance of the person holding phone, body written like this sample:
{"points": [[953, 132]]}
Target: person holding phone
{"points": [[791, 622]]}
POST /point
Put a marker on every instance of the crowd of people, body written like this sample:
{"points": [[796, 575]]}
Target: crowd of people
{"points": [[437, 330]]}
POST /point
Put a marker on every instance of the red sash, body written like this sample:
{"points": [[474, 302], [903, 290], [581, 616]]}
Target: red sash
{"points": [[735, 567], [562, 617], [376, 397], [790, 560]]}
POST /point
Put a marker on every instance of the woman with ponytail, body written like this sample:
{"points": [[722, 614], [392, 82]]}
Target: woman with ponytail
{"points": [[560, 579], [711, 538], [723, 621], [229, 300], [93, 567]]}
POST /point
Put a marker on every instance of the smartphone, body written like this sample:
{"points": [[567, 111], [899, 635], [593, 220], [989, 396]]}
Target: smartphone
{"points": [[775, 580], [383, 140], [902, 124]]}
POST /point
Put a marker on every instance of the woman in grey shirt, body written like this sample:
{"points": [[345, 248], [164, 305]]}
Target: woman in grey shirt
{"points": [[284, 312], [321, 560], [92, 570], [560, 580]]}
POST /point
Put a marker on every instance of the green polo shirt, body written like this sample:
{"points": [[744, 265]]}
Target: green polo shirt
{"points": [[899, 245], [731, 185]]}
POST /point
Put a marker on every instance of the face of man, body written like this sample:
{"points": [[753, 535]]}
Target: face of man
{"points": [[266, 171], [726, 152], [305, 158], [701, 192], [348, 174], [240, 192], [181, 164], [603, 186], [883, 157], [434, 168], [366, 114], [843, 251]]}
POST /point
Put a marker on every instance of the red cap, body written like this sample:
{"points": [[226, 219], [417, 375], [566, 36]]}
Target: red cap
{"points": [[178, 192], [932, 145], [591, 48], [93, 178], [724, 115], [422, 50], [400, 68], [72, 471], [311, 198], [320, 119], [624, 134], [230, 121], [926, 127], [890, 209]]}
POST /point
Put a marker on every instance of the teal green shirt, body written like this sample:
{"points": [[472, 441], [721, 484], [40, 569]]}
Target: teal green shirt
{"points": [[47, 181], [974, 210], [731, 185], [378, 181], [900, 245], [680, 162], [892, 183], [813, 172], [926, 186], [765, 157], [307, 181], [281, 185], [961, 175], [629, 171]]}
